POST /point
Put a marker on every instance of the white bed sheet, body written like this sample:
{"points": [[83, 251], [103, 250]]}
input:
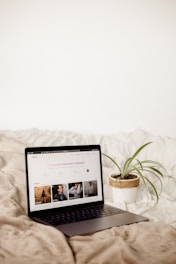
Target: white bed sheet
{"points": [[121, 145]]}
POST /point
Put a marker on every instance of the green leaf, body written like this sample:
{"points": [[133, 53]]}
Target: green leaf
{"points": [[130, 160], [116, 164], [153, 187]]}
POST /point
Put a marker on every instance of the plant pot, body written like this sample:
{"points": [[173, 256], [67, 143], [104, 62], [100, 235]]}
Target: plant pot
{"points": [[124, 190]]}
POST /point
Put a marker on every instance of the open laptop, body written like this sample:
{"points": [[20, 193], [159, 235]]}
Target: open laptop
{"points": [[65, 190]]}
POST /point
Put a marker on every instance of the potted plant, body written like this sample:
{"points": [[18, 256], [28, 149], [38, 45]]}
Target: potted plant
{"points": [[126, 180]]}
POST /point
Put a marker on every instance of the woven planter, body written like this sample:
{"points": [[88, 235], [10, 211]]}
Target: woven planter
{"points": [[124, 190]]}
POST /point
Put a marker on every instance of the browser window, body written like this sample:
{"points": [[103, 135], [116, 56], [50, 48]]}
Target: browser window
{"points": [[58, 179]]}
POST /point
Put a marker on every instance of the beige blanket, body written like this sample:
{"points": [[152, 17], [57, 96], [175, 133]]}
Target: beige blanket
{"points": [[25, 241], [137, 243]]}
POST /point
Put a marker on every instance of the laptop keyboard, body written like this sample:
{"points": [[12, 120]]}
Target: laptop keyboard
{"points": [[80, 215]]}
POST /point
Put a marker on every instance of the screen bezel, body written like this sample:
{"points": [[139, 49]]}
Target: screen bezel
{"points": [[60, 149]]}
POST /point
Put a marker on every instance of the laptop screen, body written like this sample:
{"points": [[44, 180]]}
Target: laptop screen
{"points": [[58, 177]]}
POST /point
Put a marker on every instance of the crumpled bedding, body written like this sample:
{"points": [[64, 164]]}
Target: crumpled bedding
{"points": [[25, 241]]}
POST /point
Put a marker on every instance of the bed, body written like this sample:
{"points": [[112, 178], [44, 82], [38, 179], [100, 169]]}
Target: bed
{"points": [[25, 241]]}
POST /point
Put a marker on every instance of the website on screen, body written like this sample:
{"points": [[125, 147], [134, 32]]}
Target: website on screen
{"points": [[58, 179]]}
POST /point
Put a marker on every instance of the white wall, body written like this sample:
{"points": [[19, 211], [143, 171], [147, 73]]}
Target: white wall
{"points": [[88, 65]]}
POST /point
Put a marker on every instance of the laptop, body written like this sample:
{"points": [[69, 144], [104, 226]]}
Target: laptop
{"points": [[65, 190]]}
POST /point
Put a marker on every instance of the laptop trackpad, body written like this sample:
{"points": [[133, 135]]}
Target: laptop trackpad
{"points": [[93, 225]]}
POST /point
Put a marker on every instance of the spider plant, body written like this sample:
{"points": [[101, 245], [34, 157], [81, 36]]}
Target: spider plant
{"points": [[133, 166]]}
